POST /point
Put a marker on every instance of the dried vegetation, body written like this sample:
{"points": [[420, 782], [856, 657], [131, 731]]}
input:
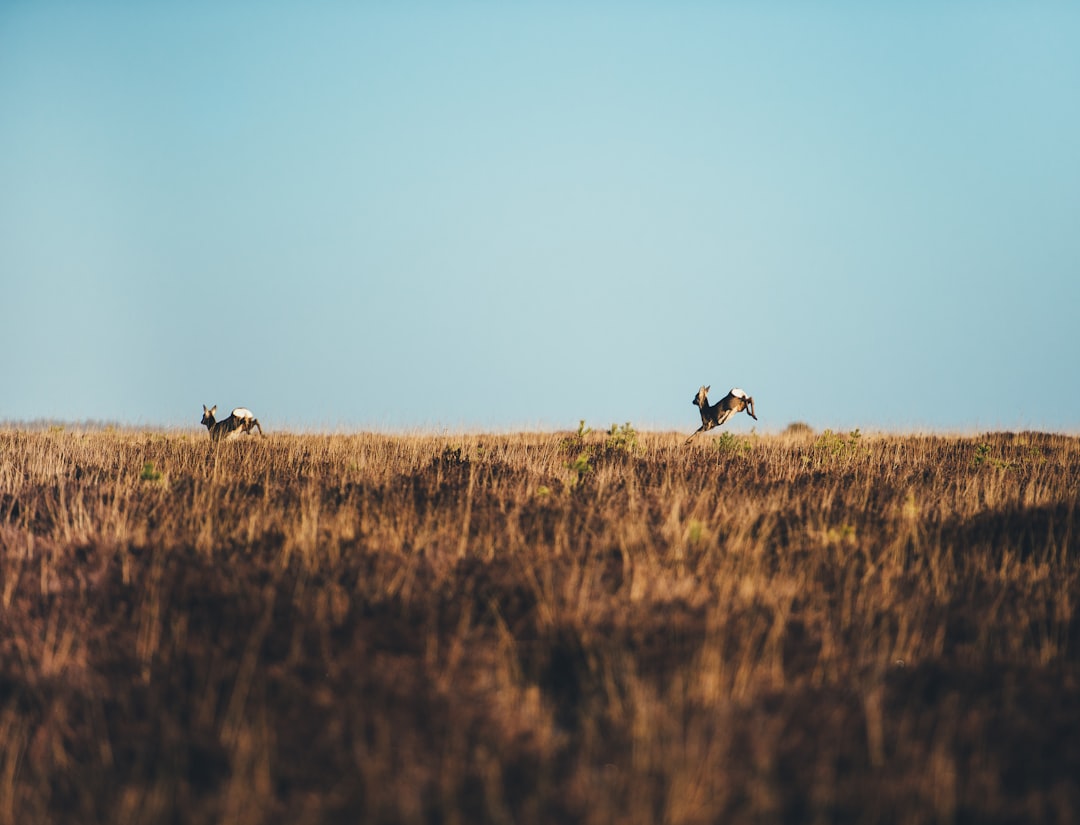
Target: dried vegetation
{"points": [[577, 628]]}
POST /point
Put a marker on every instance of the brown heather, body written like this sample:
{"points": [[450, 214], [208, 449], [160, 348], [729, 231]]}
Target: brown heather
{"points": [[539, 628]]}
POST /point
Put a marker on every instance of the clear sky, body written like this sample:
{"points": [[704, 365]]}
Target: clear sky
{"points": [[492, 215]]}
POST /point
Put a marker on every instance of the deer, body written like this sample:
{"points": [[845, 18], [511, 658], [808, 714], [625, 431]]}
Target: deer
{"points": [[713, 416], [240, 421]]}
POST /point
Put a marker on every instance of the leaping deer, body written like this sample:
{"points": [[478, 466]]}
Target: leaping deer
{"points": [[734, 402], [240, 420]]}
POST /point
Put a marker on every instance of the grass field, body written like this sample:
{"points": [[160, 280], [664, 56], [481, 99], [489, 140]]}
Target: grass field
{"points": [[577, 627]]}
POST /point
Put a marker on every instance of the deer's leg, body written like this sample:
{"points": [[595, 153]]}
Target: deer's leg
{"points": [[700, 429]]}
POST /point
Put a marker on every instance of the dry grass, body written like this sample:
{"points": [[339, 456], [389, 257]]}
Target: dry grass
{"points": [[539, 628]]}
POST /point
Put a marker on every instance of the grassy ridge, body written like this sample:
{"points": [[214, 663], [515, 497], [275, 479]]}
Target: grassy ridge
{"points": [[578, 627]]}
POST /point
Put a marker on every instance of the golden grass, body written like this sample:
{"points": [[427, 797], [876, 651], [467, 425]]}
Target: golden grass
{"points": [[536, 627]]}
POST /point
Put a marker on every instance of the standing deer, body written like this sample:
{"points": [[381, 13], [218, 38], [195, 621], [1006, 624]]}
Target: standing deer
{"points": [[734, 402], [240, 420]]}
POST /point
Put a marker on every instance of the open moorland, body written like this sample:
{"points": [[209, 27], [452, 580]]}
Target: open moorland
{"points": [[589, 627]]}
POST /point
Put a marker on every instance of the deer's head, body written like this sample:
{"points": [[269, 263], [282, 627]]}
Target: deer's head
{"points": [[701, 399]]}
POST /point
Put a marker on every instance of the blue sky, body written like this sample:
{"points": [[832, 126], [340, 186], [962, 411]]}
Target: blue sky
{"points": [[496, 216]]}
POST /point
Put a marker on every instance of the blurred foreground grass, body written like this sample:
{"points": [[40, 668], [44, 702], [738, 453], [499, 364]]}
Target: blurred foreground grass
{"points": [[578, 627]]}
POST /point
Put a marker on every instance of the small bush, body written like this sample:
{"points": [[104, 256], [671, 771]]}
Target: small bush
{"points": [[623, 438], [799, 428], [729, 443], [581, 466], [575, 442]]}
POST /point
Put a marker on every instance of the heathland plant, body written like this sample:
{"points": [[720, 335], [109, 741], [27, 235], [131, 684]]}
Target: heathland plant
{"points": [[622, 439], [728, 442], [538, 628]]}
